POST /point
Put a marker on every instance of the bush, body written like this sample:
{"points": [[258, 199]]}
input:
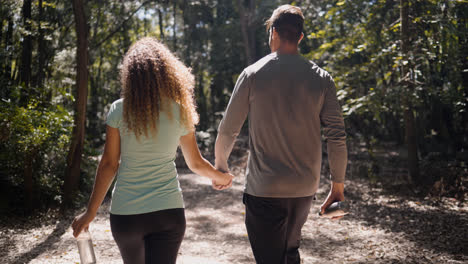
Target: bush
{"points": [[34, 143]]}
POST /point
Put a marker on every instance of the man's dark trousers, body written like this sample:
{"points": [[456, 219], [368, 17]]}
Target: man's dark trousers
{"points": [[274, 227]]}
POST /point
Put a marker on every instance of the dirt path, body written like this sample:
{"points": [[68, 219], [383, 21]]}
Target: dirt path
{"points": [[383, 228]]}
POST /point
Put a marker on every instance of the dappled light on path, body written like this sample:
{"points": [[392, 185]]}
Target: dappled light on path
{"points": [[382, 228]]}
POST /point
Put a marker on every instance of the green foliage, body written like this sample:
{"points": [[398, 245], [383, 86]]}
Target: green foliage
{"points": [[359, 43], [37, 132]]}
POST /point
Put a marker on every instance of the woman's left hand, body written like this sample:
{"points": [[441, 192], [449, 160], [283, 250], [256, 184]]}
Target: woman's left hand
{"points": [[82, 222]]}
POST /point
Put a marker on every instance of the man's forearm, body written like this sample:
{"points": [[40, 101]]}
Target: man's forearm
{"points": [[334, 130], [223, 148], [231, 124], [337, 159]]}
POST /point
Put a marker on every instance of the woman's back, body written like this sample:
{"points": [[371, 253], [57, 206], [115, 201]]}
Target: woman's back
{"points": [[147, 177], [143, 130]]}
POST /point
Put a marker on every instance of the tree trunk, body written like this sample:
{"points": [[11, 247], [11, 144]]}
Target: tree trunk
{"points": [[145, 23], [161, 25], [28, 179], [6, 65], [9, 41], [202, 102], [125, 37], [187, 29], [26, 55], [41, 67], [93, 35], [247, 28], [72, 174], [463, 62], [410, 128], [174, 27], [95, 126], [1, 31]]}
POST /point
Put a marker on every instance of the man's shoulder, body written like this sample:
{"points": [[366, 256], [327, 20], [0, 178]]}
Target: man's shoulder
{"points": [[315, 69], [258, 65], [302, 64]]}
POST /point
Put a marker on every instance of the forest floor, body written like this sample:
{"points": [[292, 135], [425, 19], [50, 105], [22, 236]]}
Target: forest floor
{"points": [[387, 225]]}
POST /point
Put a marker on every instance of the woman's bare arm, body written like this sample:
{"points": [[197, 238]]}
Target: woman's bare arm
{"points": [[104, 176], [198, 164]]}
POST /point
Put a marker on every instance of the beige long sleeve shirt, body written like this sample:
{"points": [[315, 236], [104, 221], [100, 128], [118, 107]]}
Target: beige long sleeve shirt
{"points": [[288, 100]]}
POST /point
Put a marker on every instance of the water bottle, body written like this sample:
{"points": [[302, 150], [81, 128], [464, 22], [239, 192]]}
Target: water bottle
{"points": [[85, 248], [336, 209]]}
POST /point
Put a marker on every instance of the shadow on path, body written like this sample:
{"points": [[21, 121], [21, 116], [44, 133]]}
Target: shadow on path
{"points": [[45, 245], [434, 229]]}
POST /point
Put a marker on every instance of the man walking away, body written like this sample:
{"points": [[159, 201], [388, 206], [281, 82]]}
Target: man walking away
{"points": [[288, 100]]}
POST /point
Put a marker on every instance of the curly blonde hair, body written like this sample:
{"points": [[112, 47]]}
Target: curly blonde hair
{"points": [[151, 77]]}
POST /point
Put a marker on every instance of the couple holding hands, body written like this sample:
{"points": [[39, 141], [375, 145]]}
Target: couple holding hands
{"points": [[288, 100]]}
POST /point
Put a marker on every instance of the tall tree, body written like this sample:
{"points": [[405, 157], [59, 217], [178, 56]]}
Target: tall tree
{"points": [[72, 174], [247, 15], [26, 55], [7, 67], [161, 23], [407, 82], [41, 67], [174, 26], [25, 79]]}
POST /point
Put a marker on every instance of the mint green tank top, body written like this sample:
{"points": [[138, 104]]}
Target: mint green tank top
{"points": [[147, 179]]}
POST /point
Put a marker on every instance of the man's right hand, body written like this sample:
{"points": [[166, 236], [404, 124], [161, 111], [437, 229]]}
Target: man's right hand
{"points": [[336, 194]]}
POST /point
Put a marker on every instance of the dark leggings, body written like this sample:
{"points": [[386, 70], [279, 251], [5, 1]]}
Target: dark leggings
{"points": [[149, 238]]}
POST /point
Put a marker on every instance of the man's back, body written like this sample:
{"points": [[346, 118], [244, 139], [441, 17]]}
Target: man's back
{"points": [[287, 98]]}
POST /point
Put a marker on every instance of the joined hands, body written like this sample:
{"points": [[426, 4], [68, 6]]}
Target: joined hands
{"points": [[222, 185]]}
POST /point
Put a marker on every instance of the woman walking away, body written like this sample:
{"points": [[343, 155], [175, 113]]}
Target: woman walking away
{"points": [[155, 115]]}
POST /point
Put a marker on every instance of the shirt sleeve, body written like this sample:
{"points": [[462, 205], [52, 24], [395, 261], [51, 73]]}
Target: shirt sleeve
{"points": [[114, 116], [231, 124], [332, 122], [183, 130]]}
